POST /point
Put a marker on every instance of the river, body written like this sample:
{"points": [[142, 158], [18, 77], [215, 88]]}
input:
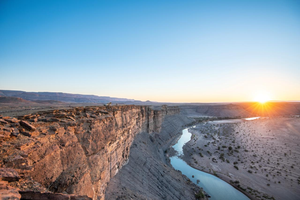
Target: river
{"points": [[213, 186]]}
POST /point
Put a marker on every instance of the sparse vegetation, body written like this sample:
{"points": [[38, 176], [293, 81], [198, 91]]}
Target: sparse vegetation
{"points": [[247, 152], [222, 157], [199, 195]]}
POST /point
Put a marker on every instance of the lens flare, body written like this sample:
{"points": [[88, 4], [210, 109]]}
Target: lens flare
{"points": [[262, 98]]}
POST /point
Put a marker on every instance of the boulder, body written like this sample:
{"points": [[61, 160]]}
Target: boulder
{"points": [[3, 121], [11, 120], [8, 174], [26, 133], [27, 126], [14, 132]]}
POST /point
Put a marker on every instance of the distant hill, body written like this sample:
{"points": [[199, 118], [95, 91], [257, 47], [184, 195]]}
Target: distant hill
{"points": [[246, 109], [63, 97], [13, 100]]}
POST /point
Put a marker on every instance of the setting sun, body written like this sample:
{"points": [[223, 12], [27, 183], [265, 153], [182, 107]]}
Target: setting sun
{"points": [[262, 98]]}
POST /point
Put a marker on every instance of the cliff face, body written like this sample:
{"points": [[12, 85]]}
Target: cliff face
{"points": [[148, 174], [74, 151]]}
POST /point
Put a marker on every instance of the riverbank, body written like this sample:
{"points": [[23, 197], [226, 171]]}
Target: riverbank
{"points": [[214, 187], [259, 157]]}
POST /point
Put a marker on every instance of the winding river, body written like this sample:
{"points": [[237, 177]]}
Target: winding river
{"points": [[213, 186]]}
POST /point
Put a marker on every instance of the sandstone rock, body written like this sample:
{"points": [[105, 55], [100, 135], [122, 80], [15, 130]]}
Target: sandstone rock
{"points": [[71, 118], [80, 198], [7, 192], [8, 174], [26, 133], [80, 154], [14, 132], [11, 120], [104, 112], [32, 195], [61, 115], [71, 123], [4, 135], [17, 162], [27, 126], [34, 119], [3, 121], [15, 125]]}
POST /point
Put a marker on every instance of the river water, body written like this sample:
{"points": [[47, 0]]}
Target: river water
{"points": [[215, 187]]}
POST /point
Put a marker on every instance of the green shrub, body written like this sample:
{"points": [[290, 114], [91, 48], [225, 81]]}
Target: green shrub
{"points": [[199, 195]]}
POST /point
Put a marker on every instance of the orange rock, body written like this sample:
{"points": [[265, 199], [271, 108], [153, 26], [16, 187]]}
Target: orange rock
{"points": [[7, 192], [27, 126], [8, 174]]}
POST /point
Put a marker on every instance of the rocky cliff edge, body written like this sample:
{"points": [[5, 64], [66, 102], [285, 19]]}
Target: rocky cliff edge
{"points": [[71, 153]]}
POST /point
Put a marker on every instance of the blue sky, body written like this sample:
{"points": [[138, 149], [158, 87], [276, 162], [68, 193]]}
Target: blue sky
{"points": [[176, 51]]}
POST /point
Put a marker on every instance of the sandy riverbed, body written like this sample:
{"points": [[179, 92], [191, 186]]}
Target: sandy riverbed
{"points": [[261, 156]]}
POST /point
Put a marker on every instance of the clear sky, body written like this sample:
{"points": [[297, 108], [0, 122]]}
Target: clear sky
{"points": [[159, 50]]}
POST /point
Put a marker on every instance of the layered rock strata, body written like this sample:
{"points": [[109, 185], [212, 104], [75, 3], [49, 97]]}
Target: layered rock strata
{"points": [[148, 174], [75, 151]]}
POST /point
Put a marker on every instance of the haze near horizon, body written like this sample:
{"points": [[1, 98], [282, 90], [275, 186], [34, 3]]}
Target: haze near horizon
{"points": [[168, 51]]}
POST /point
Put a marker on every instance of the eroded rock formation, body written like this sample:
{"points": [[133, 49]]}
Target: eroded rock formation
{"points": [[75, 151]]}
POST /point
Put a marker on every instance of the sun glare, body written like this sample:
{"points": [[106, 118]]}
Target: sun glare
{"points": [[262, 98]]}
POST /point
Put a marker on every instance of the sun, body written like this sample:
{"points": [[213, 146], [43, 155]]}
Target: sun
{"points": [[262, 98]]}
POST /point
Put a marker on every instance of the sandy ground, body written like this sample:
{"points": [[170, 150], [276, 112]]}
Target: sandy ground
{"points": [[260, 157]]}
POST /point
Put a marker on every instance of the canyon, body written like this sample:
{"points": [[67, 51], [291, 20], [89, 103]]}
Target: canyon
{"points": [[76, 153], [111, 152]]}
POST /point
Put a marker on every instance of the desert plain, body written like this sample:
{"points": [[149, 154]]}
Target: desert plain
{"points": [[260, 157]]}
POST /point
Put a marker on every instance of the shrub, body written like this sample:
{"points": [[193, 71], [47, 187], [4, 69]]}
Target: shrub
{"points": [[199, 195], [209, 153]]}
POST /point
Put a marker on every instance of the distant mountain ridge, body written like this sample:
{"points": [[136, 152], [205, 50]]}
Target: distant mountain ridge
{"points": [[64, 97]]}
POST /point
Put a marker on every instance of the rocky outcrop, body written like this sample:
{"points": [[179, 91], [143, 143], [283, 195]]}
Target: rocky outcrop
{"points": [[148, 174], [75, 151], [8, 192]]}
